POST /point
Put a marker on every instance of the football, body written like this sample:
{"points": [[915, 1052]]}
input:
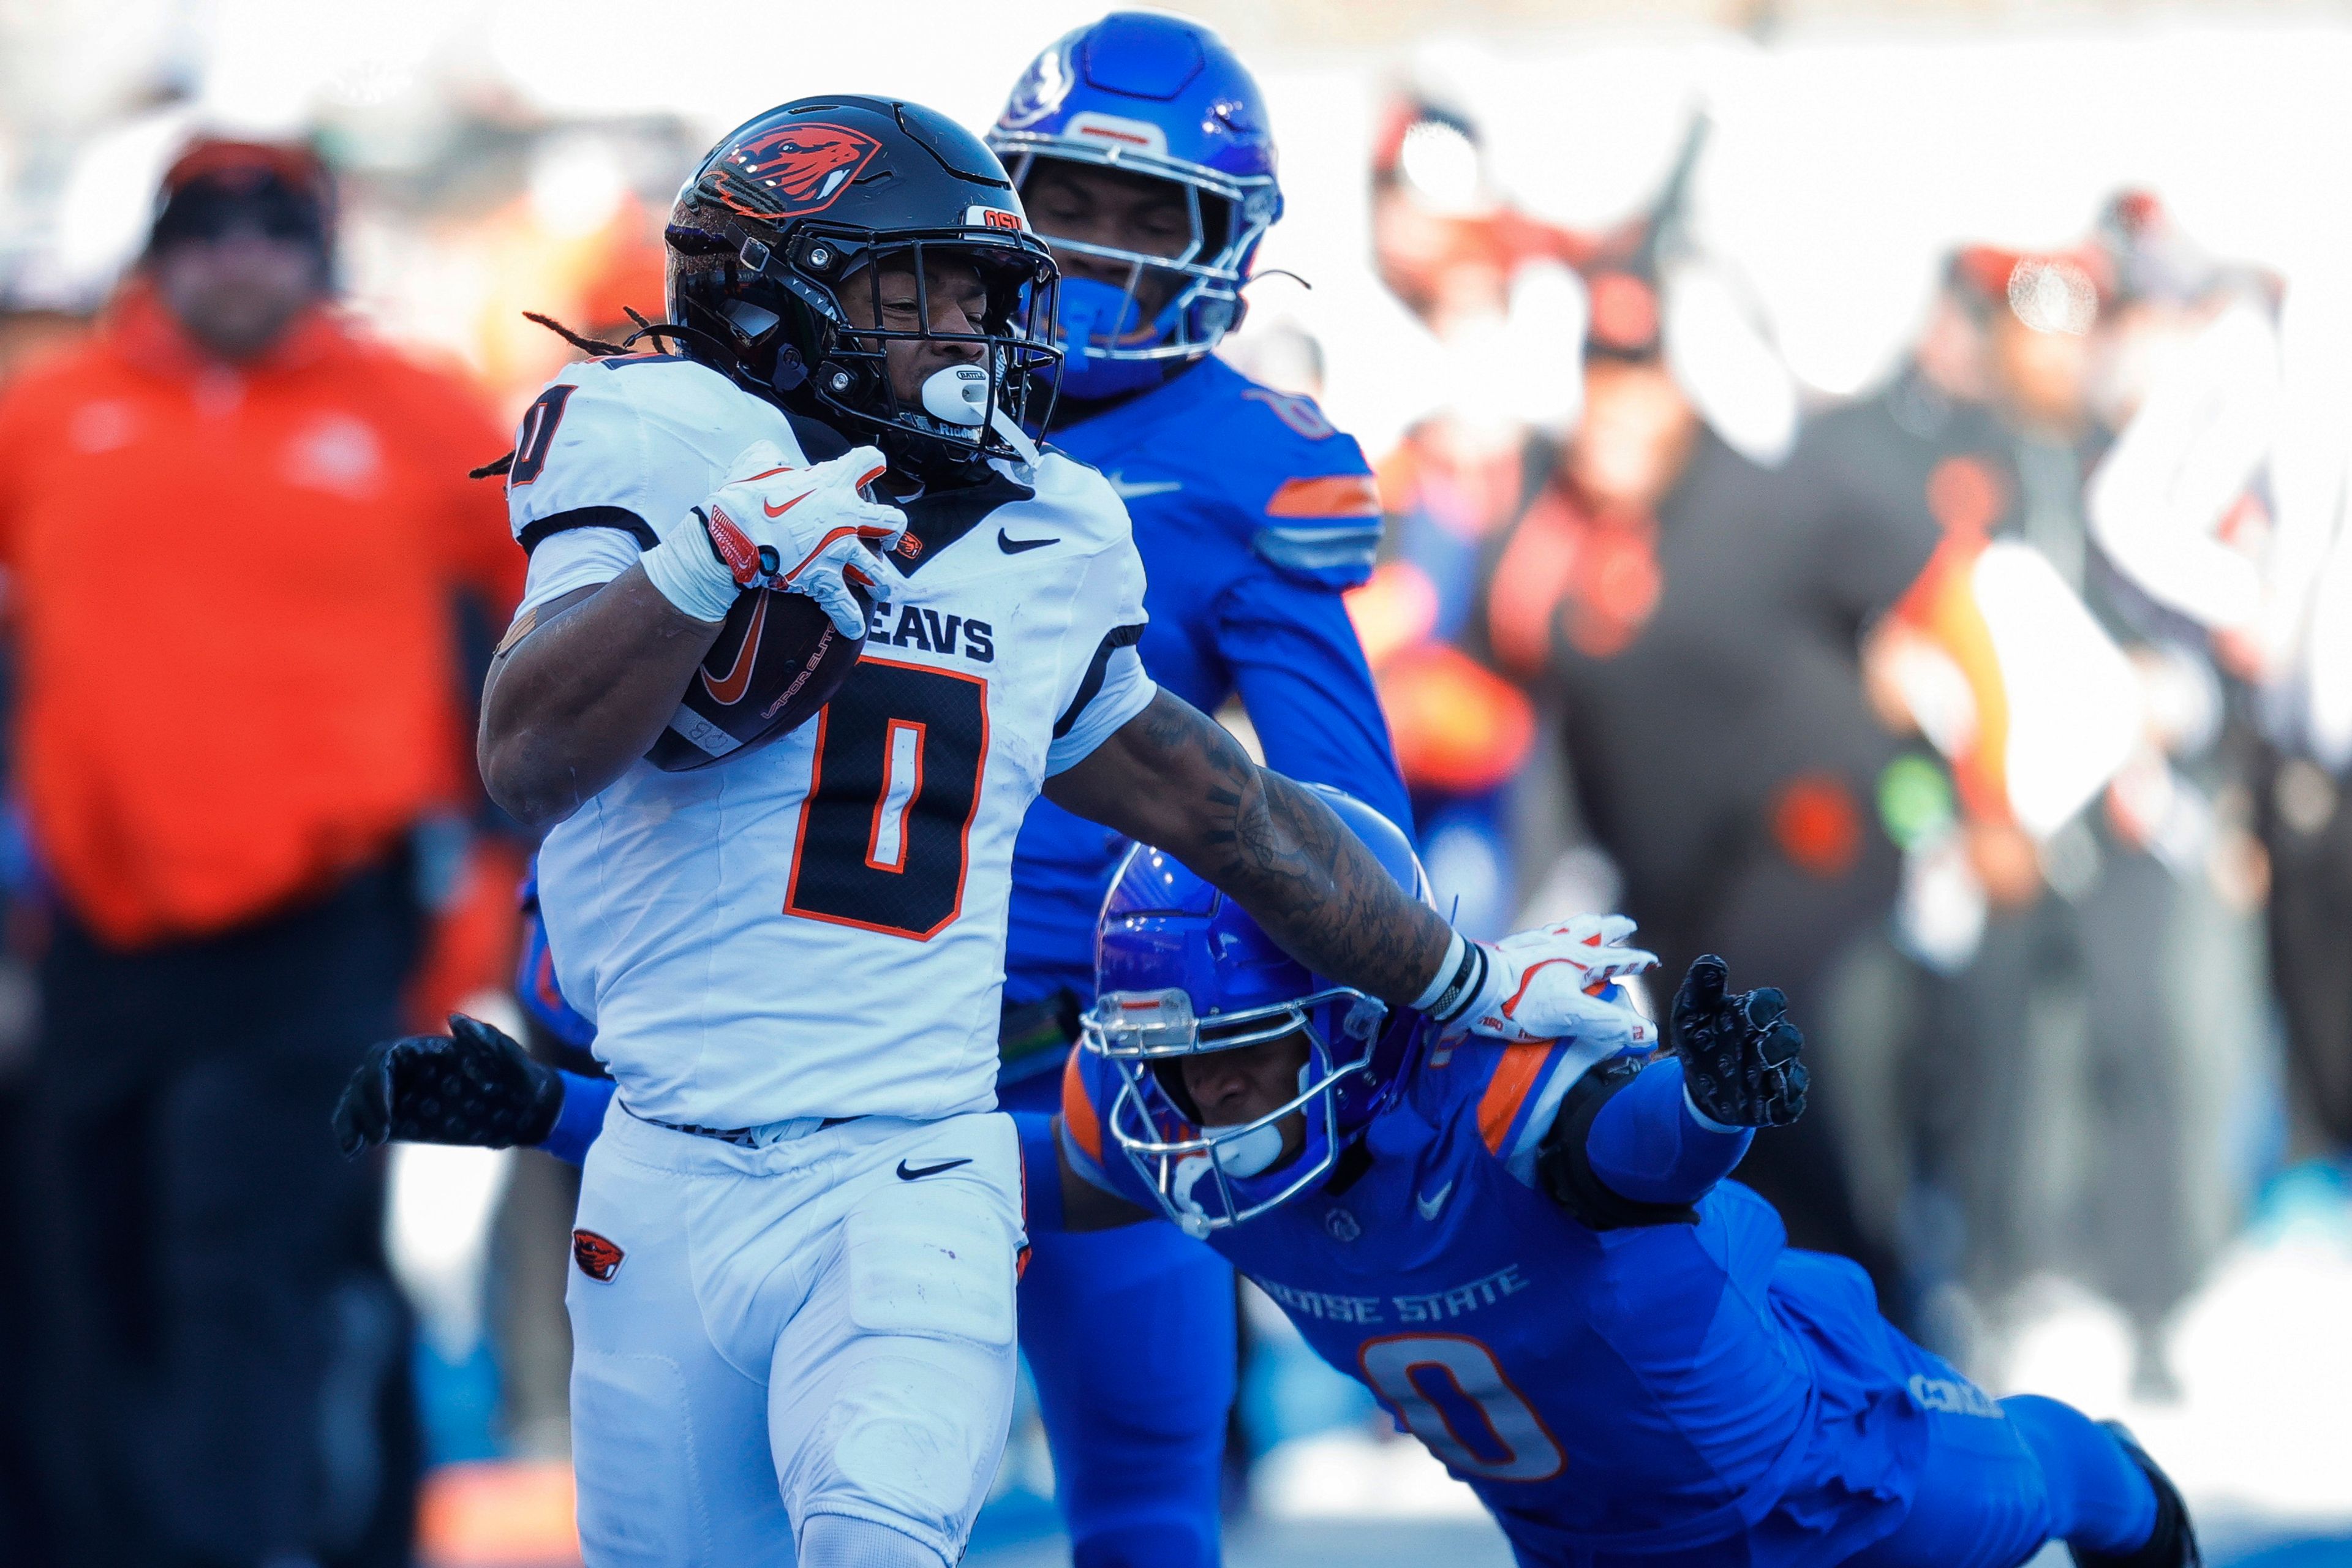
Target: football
{"points": [[778, 659]]}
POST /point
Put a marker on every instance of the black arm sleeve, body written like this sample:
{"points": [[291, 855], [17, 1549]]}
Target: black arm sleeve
{"points": [[1564, 1164]]}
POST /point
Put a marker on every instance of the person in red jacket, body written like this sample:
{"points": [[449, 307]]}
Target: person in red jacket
{"points": [[236, 532]]}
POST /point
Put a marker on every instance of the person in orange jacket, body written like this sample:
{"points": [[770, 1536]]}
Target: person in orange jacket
{"points": [[235, 531]]}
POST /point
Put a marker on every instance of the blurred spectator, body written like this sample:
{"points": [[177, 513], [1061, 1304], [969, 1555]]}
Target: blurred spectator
{"points": [[29, 329], [239, 704], [1705, 637], [1486, 282], [1920, 465], [2107, 982], [2056, 890]]}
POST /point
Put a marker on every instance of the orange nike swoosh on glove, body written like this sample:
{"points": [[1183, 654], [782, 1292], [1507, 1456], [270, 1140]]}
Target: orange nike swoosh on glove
{"points": [[780, 511]]}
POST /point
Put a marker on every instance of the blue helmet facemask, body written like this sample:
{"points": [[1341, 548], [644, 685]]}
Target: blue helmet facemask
{"points": [[1209, 1176]]}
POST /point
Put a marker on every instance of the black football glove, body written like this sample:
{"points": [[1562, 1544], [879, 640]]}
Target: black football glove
{"points": [[473, 1086], [1740, 1051]]}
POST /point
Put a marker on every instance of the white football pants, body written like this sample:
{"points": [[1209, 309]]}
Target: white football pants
{"points": [[762, 1336]]}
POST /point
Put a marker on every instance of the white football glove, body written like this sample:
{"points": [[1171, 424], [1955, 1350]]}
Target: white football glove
{"points": [[1543, 984], [773, 525]]}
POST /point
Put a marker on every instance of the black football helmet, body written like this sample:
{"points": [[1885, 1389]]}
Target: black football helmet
{"points": [[796, 200]]}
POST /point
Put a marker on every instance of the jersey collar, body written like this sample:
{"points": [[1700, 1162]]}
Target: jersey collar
{"points": [[937, 518]]}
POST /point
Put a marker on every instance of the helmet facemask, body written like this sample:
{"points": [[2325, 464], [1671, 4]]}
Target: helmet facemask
{"points": [[803, 321], [1127, 332], [1208, 1178]]}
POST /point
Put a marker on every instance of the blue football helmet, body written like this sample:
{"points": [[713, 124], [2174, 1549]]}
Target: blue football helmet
{"points": [[1162, 97], [1180, 971]]}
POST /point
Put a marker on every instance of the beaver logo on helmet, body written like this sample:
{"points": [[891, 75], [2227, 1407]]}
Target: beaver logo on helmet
{"points": [[598, 1258], [795, 170]]}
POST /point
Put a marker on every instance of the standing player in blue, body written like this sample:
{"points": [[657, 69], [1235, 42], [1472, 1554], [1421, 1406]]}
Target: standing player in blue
{"points": [[1141, 149]]}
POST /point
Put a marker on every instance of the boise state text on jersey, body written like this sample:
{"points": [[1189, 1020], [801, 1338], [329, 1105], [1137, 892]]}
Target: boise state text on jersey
{"points": [[1251, 513], [1653, 1387]]}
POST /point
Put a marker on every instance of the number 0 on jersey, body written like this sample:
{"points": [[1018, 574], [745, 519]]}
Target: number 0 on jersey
{"points": [[885, 835]]}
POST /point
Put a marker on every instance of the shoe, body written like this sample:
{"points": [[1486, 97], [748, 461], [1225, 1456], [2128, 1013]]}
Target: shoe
{"points": [[2173, 1542]]}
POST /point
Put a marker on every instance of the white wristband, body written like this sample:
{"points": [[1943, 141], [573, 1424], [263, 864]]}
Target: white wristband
{"points": [[1703, 1119], [1461, 979], [688, 572]]}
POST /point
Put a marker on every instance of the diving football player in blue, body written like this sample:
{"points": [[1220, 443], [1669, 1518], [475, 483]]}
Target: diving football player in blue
{"points": [[1527, 1251], [1530, 1254]]}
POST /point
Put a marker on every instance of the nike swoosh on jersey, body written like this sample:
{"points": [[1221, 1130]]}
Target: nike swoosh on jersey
{"points": [[1011, 546], [1129, 489], [919, 1172], [1430, 1207], [729, 688]]}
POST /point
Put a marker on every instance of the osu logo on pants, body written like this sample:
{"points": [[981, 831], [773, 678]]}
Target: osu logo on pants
{"points": [[598, 1258]]}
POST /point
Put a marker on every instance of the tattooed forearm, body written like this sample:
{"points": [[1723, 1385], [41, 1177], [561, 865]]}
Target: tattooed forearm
{"points": [[1174, 778]]}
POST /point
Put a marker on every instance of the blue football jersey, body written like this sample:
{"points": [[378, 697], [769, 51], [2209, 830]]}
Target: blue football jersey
{"points": [[1253, 514], [1693, 1389]]}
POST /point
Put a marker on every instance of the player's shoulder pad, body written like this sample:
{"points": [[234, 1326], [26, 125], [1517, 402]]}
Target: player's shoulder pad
{"points": [[1510, 1092], [1082, 499], [631, 441], [673, 393], [1296, 482]]}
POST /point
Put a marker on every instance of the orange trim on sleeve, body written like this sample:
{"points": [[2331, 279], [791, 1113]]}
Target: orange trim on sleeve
{"points": [[1515, 1075], [1079, 1112], [1331, 495]]}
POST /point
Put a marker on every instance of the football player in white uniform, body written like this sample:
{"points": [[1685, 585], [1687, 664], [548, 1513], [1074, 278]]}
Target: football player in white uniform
{"points": [[800, 1231]]}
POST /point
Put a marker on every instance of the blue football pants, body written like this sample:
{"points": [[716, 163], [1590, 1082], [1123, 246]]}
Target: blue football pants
{"points": [[1130, 1340], [1992, 1491]]}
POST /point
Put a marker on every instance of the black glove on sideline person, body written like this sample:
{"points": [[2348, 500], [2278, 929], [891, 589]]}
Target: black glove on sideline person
{"points": [[1740, 1051], [473, 1086]]}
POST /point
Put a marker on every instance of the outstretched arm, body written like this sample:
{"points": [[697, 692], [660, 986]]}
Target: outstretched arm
{"points": [[1638, 1143], [1173, 778]]}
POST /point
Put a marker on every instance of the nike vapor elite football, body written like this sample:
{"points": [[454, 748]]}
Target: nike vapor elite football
{"points": [[778, 659]]}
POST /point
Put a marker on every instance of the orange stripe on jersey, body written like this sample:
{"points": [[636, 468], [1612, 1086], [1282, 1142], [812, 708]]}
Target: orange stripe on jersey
{"points": [[1515, 1075], [1332, 495], [1079, 1112]]}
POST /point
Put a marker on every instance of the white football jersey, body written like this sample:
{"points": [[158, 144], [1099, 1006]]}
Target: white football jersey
{"points": [[817, 928]]}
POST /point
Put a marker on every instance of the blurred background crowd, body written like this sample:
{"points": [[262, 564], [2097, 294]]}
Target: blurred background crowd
{"points": [[1866, 491]]}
